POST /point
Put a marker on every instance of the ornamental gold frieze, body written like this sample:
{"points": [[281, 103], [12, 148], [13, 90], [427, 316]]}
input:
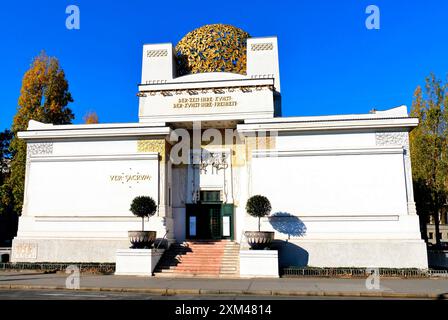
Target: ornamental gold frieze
{"points": [[212, 92], [153, 145]]}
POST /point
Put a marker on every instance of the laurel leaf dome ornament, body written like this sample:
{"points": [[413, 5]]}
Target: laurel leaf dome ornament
{"points": [[212, 48]]}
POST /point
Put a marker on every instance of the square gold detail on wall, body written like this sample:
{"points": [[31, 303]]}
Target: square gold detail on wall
{"points": [[155, 145]]}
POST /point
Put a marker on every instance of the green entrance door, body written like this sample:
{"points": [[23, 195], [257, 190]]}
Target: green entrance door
{"points": [[209, 221], [213, 216]]}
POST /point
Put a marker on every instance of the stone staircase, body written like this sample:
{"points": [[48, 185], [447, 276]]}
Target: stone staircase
{"points": [[201, 258]]}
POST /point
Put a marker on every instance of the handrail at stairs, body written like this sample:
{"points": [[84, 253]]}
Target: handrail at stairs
{"points": [[158, 245]]}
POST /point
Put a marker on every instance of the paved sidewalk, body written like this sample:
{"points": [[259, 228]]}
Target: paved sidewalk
{"points": [[404, 288]]}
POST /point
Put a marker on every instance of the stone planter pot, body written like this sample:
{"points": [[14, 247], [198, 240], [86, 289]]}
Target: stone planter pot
{"points": [[259, 240], [142, 239]]}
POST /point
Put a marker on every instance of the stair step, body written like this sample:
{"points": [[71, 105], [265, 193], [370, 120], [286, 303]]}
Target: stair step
{"points": [[228, 269], [200, 259], [204, 260], [199, 265], [225, 262], [173, 264], [199, 247], [196, 266], [199, 251], [195, 270], [199, 256], [170, 272], [193, 263]]}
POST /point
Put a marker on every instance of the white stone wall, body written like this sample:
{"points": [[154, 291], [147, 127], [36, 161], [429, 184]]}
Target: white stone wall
{"points": [[262, 59], [333, 182], [77, 199], [158, 64], [212, 100], [343, 197], [89, 186]]}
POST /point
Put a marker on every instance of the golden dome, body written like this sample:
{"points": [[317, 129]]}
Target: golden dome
{"points": [[212, 48]]}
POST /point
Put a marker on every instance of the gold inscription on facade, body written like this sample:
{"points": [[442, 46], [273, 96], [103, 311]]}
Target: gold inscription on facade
{"points": [[128, 178], [205, 102]]}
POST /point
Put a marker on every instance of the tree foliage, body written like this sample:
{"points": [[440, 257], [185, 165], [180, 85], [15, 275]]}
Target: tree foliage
{"points": [[5, 158], [429, 151], [44, 97], [258, 206], [143, 206], [5, 155], [91, 118]]}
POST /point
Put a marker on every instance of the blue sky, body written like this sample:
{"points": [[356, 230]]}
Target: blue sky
{"points": [[330, 63]]}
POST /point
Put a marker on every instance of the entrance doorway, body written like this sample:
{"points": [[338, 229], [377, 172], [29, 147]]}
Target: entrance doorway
{"points": [[209, 219]]}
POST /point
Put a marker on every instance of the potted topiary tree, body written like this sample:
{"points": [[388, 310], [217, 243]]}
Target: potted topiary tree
{"points": [[259, 206], [143, 206]]}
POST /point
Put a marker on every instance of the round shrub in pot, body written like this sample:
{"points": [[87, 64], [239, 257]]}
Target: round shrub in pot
{"points": [[259, 206], [143, 207]]}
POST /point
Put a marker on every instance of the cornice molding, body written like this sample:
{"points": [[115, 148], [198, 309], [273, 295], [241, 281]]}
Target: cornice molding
{"points": [[114, 157], [405, 123], [327, 152], [62, 133]]}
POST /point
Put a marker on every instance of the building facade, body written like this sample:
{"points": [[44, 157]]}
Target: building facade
{"points": [[210, 135]]}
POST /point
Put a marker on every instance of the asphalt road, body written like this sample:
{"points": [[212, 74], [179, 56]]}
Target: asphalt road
{"points": [[89, 295]]}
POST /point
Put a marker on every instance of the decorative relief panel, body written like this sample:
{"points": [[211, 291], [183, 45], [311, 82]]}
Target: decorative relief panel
{"points": [[152, 146], [152, 82], [263, 76], [392, 138], [25, 250], [156, 53], [216, 160], [262, 46], [34, 149]]}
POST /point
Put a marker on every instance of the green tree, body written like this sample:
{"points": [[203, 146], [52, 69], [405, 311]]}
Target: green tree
{"points": [[429, 152], [5, 155], [5, 160], [44, 97], [143, 206], [258, 206]]}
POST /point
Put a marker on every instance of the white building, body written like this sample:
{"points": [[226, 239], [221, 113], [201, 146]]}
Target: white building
{"points": [[340, 186]]}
